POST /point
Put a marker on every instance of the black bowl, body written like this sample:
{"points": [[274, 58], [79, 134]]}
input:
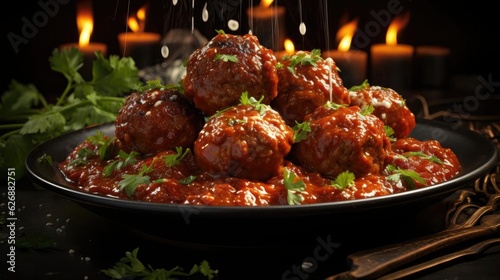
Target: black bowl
{"points": [[272, 225]]}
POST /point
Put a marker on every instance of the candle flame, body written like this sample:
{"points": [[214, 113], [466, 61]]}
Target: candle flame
{"points": [[396, 25], [137, 22], [345, 35], [289, 46], [266, 3], [84, 21]]}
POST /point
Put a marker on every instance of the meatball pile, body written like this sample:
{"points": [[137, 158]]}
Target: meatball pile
{"points": [[246, 120]]}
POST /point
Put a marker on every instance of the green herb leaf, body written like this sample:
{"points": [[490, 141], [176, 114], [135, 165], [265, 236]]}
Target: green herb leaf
{"points": [[130, 267], [344, 180], [226, 57], [174, 159], [409, 177], [301, 130], [188, 180], [421, 154], [366, 110], [293, 187], [363, 85], [220, 32], [390, 133], [25, 113], [333, 106], [257, 104], [303, 58], [130, 182]]}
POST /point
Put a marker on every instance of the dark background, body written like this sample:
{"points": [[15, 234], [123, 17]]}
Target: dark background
{"points": [[469, 29]]}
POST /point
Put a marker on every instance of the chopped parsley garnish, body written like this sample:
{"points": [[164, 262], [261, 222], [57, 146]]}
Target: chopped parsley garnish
{"points": [[226, 57], [232, 122], [188, 180], [364, 85], [303, 58], [124, 159], [130, 267], [257, 104], [366, 110], [333, 106], [103, 142], [294, 188], [220, 32], [409, 177], [45, 159], [174, 159], [82, 156], [421, 154], [343, 180], [301, 130], [389, 131], [156, 84], [130, 182]]}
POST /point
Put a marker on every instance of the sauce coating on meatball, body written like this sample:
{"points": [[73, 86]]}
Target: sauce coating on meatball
{"points": [[307, 81], [343, 139], [244, 142], [388, 105], [228, 65], [157, 120]]}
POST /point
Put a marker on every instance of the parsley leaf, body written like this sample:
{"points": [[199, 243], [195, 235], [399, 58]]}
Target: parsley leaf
{"points": [[344, 180], [421, 154], [26, 119], [389, 131], [226, 57], [293, 187], [257, 104], [366, 110], [409, 177], [301, 130], [363, 85], [130, 182], [333, 106], [130, 267], [304, 58], [174, 159]]}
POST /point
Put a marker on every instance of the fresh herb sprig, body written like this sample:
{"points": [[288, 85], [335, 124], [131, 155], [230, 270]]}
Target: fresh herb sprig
{"points": [[294, 188], [344, 180], [407, 176], [130, 267], [304, 58], [27, 119]]}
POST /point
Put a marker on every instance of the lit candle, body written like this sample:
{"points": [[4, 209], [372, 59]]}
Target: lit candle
{"points": [[391, 63], [289, 50], [432, 66], [268, 24], [142, 47], [85, 23], [352, 63]]}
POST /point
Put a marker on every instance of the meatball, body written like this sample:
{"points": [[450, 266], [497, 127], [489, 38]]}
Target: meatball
{"points": [[228, 65], [342, 139], [245, 142], [305, 85], [432, 162], [388, 105], [157, 120]]}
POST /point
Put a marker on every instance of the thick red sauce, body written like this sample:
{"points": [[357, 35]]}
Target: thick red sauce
{"points": [[245, 155], [165, 182]]}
